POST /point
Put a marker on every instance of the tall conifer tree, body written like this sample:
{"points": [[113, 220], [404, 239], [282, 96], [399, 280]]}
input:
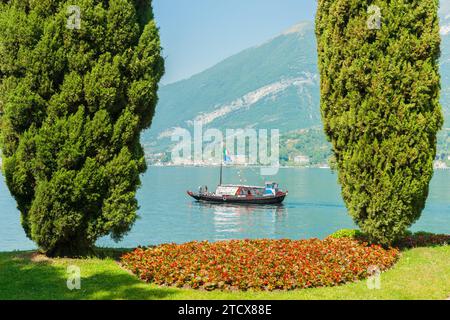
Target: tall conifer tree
{"points": [[380, 88], [78, 84]]}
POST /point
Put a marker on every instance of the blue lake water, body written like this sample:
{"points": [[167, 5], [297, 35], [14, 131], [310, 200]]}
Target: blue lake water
{"points": [[314, 208]]}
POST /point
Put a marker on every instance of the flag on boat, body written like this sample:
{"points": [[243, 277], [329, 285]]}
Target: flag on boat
{"points": [[226, 156]]}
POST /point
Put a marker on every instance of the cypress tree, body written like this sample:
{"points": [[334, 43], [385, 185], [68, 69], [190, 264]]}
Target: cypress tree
{"points": [[380, 106], [74, 100]]}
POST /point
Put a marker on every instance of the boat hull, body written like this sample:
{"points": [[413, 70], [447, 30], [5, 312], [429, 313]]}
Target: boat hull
{"points": [[238, 200]]}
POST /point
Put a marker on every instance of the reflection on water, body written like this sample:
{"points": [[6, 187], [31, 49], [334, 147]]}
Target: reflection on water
{"points": [[230, 220]]}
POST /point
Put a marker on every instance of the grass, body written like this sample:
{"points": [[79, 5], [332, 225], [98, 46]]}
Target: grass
{"points": [[421, 273]]}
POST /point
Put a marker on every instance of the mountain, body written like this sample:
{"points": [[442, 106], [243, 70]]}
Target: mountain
{"points": [[274, 85], [271, 86]]}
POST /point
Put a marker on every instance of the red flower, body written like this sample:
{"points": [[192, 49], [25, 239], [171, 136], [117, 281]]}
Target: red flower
{"points": [[258, 264]]}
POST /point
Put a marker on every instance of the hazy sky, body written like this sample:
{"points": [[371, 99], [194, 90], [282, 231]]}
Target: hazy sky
{"points": [[445, 6], [197, 34]]}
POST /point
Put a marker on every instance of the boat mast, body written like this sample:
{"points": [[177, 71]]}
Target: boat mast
{"points": [[221, 169]]}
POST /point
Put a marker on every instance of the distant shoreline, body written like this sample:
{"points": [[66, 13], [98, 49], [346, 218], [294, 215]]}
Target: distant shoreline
{"points": [[254, 167], [234, 166]]}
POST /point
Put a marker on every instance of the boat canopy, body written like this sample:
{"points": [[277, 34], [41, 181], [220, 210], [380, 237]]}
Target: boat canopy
{"points": [[227, 190], [236, 190]]}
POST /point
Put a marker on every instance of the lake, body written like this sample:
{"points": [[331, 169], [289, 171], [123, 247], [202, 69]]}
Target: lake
{"points": [[314, 208]]}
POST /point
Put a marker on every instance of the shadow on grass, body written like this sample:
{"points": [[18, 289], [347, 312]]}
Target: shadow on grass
{"points": [[107, 286], [30, 276]]}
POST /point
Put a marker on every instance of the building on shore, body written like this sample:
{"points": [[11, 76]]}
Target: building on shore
{"points": [[301, 160], [440, 165]]}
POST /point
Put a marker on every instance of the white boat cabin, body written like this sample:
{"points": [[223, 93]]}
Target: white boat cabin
{"points": [[270, 189]]}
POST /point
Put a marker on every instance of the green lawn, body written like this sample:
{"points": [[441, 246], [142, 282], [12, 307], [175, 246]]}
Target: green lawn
{"points": [[422, 273]]}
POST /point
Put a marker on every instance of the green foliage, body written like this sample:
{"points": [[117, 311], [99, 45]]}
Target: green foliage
{"points": [[347, 233], [74, 103], [380, 107], [308, 142]]}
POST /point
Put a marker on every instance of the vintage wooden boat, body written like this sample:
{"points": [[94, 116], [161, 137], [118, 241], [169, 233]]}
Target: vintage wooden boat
{"points": [[241, 194]]}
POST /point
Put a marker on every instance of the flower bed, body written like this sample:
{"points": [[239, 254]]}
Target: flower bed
{"points": [[423, 239], [258, 264]]}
